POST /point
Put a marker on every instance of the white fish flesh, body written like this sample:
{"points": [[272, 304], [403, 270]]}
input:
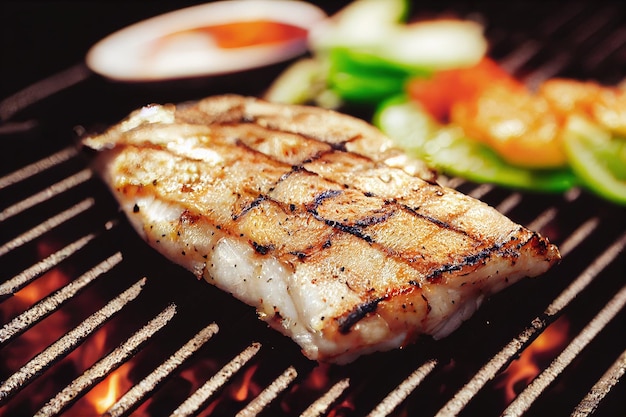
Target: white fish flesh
{"points": [[338, 239]]}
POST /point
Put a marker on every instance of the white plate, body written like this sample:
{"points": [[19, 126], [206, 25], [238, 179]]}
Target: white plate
{"points": [[173, 45]]}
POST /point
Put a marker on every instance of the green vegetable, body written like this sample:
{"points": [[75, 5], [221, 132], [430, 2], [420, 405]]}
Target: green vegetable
{"points": [[379, 28], [597, 157], [361, 76], [364, 62], [448, 150], [363, 88], [299, 83], [371, 51], [362, 23]]}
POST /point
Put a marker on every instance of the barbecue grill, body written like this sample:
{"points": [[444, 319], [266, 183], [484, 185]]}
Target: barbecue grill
{"points": [[95, 322]]}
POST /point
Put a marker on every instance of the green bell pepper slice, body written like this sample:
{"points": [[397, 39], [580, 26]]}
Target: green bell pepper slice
{"points": [[363, 77], [597, 157], [448, 150]]}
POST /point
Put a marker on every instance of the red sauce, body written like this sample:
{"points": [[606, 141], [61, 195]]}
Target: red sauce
{"points": [[248, 33]]}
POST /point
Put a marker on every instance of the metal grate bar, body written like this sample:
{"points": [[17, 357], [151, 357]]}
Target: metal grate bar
{"points": [[44, 307], [269, 394], [579, 236], [455, 182], [139, 391], [576, 287], [520, 56], [42, 89], [543, 219], [562, 60], [46, 194], [395, 397], [499, 360], [591, 401], [596, 56], [553, 67], [509, 203], [593, 24], [523, 401], [481, 191], [321, 405], [37, 167], [20, 280], [564, 16], [67, 343], [202, 394], [489, 370], [105, 365], [49, 224]]}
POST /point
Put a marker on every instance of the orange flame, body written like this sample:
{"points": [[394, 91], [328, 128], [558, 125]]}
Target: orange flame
{"points": [[523, 370], [107, 392], [346, 405], [92, 350], [244, 390], [45, 285], [319, 377]]}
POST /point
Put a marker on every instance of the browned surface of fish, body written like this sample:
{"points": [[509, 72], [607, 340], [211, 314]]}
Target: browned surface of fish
{"points": [[337, 238]]}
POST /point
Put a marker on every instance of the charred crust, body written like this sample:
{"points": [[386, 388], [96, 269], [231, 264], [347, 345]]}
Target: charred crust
{"points": [[371, 220], [438, 222], [436, 274], [300, 255], [187, 217], [540, 244], [254, 203], [467, 261], [359, 312], [353, 230], [262, 249], [285, 176], [319, 199], [339, 146]]}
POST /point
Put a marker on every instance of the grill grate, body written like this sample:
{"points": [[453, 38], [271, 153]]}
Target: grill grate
{"points": [[584, 230], [76, 280]]}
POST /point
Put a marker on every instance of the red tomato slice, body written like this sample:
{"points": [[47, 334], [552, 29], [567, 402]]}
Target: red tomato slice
{"points": [[438, 93]]}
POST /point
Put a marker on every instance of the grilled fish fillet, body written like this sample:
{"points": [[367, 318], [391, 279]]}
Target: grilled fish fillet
{"points": [[338, 239]]}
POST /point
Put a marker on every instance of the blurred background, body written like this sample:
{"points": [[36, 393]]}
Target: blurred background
{"points": [[38, 38]]}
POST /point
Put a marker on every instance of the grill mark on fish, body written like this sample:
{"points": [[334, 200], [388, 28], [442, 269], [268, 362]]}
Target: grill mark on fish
{"points": [[262, 249], [373, 219], [335, 147], [358, 229], [438, 222], [319, 199], [355, 231], [358, 313], [254, 203], [361, 311]]}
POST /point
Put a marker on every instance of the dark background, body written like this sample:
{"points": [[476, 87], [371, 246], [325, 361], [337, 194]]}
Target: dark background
{"points": [[39, 38]]}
